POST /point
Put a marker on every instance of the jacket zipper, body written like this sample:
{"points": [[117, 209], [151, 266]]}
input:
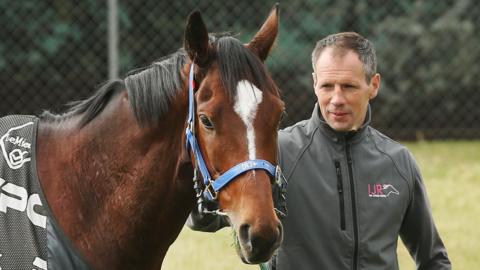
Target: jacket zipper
{"points": [[340, 194], [354, 206]]}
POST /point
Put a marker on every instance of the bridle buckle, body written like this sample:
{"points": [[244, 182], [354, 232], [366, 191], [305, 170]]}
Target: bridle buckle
{"points": [[211, 191]]}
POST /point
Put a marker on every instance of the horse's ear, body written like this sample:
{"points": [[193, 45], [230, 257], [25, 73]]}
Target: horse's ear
{"points": [[196, 39], [263, 41]]}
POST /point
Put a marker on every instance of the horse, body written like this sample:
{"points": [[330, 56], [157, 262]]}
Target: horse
{"points": [[116, 169]]}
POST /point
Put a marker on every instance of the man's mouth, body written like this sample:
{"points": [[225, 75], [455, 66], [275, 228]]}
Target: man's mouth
{"points": [[338, 114]]}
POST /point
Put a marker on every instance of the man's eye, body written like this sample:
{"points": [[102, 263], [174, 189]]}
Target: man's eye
{"points": [[326, 86]]}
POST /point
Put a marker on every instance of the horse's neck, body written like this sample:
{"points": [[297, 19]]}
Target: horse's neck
{"points": [[111, 185]]}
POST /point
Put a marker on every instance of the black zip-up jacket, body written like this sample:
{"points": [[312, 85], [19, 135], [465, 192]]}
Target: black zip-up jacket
{"points": [[349, 197]]}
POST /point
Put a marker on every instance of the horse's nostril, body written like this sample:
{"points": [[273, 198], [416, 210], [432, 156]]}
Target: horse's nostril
{"points": [[280, 231], [244, 233]]}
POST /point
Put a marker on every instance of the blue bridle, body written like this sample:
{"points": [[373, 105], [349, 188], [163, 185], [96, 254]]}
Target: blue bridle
{"points": [[213, 186]]}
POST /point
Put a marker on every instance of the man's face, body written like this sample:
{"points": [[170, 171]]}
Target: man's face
{"points": [[342, 90]]}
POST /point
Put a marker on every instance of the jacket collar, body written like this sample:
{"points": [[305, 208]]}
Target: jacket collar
{"points": [[317, 120]]}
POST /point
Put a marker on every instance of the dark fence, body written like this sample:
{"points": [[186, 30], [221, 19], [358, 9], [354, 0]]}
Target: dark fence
{"points": [[56, 51]]}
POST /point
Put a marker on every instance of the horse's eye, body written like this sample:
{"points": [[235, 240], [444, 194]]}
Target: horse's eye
{"points": [[206, 121]]}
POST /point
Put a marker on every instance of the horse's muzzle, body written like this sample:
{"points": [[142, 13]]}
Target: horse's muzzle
{"points": [[258, 245]]}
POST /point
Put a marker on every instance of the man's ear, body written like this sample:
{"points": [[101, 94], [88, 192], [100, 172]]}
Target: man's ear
{"points": [[375, 82]]}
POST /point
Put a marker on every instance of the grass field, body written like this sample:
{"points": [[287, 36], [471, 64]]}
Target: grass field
{"points": [[451, 172]]}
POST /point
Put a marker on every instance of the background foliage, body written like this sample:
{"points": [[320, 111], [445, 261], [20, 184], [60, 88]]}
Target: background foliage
{"points": [[55, 51]]}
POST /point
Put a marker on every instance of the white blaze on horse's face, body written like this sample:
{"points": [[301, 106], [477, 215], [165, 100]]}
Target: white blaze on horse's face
{"points": [[246, 104]]}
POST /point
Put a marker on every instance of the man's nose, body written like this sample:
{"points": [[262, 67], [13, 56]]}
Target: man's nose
{"points": [[338, 96]]}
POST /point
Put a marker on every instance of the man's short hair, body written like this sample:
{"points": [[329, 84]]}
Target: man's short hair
{"points": [[349, 41]]}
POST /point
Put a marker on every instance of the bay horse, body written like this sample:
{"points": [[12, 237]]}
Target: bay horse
{"points": [[116, 169]]}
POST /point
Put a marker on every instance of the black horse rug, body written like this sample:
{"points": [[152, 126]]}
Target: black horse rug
{"points": [[29, 236]]}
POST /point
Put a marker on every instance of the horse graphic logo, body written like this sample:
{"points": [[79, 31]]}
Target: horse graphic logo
{"points": [[381, 190], [20, 153]]}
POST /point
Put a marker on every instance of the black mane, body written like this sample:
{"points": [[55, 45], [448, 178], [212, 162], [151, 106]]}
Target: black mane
{"points": [[236, 63], [90, 107], [152, 89]]}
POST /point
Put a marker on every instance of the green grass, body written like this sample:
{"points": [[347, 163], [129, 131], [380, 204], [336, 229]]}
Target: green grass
{"points": [[451, 173]]}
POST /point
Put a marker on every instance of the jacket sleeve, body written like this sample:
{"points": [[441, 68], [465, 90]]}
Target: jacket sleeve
{"points": [[206, 222], [418, 231]]}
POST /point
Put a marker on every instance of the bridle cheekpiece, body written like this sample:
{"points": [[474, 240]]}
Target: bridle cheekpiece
{"points": [[207, 196]]}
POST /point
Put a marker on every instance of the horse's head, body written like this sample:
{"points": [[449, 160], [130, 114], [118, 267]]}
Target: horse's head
{"points": [[237, 113]]}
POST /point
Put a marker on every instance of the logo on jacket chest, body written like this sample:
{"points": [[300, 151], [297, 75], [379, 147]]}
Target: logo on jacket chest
{"points": [[381, 190]]}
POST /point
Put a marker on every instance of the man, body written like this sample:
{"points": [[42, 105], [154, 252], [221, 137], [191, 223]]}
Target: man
{"points": [[351, 190]]}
